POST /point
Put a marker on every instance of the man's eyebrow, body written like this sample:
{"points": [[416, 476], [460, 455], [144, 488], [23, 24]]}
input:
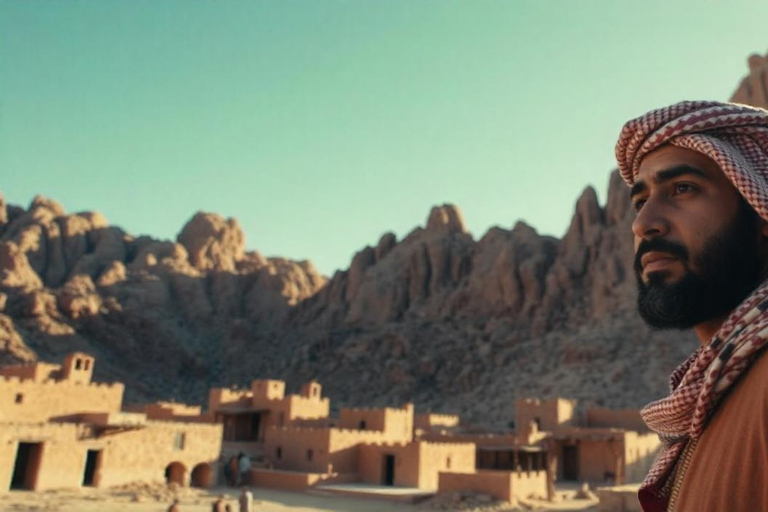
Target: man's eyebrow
{"points": [[666, 175]]}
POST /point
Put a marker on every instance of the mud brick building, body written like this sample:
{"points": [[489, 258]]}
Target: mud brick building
{"points": [[58, 429]]}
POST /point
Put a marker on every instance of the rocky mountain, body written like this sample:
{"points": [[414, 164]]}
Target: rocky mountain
{"points": [[453, 323]]}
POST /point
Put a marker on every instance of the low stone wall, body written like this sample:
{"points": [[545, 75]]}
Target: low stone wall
{"points": [[503, 485], [497, 484], [295, 480], [618, 499]]}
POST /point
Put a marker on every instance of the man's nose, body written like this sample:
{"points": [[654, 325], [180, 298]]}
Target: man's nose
{"points": [[651, 221]]}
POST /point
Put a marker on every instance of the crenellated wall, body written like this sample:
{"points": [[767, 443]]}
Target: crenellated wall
{"points": [[548, 414], [37, 401], [431, 421]]}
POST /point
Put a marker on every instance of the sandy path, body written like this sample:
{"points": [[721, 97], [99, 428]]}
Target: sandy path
{"points": [[92, 500]]}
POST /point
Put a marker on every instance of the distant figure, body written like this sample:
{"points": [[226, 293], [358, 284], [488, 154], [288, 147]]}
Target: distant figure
{"points": [[219, 505], [245, 466], [174, 507], [246, 500], [228, 476], [234, 471]]}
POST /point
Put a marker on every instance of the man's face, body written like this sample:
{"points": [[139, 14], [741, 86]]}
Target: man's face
{"points": [[697, 242]]}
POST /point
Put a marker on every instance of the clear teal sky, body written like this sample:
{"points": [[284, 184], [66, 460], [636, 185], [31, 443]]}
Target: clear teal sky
{"points": [[320, 125]]}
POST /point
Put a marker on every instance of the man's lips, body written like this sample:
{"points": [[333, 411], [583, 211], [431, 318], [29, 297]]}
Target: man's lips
{"points": [[653, 261]]}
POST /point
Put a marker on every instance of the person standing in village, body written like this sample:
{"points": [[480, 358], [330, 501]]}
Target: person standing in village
{"points": [[246, 500], [698, 173], [234, 471], [244, 463]]}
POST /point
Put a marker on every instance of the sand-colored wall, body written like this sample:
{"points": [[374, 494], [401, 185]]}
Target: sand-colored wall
{"points": [[35, 371], [639, 452], [344, 445], [553, 413], [371, 463], [232, 397], [42, 400], [265, 391], [145, 453], [293, 444], [397, 424], [597, 459], [430, 421], [300, 407], [169, 410], [445, 457], [137, 455], [351, 418], [502, 485], [602, 417]]}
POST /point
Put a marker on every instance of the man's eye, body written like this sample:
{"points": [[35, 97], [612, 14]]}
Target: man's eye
{"points": [[638, 204], [681, 188]]}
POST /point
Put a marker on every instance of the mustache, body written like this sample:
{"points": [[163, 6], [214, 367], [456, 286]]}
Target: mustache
{"points": [[659, 245]]}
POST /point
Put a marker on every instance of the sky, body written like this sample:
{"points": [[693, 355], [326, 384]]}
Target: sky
{"points": [[322, 124]]}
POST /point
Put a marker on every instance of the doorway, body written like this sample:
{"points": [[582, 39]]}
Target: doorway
{"points": [[92, 463], [389, 470], [26, 466], [570, 462]]}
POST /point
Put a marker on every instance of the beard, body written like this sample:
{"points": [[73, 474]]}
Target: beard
{"points": [[727, 270]]}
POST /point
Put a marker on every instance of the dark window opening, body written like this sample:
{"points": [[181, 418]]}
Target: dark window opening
{"points": [[362, 425], [309, 455], [19, 398], [279, 452], [78, 364]]}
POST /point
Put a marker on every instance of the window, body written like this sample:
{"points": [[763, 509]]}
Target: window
{"points": [[19, 398], [309, 455], [279, 452], [448, 462], [362, 425], [178, 440], [87, 364], [78, 363]]}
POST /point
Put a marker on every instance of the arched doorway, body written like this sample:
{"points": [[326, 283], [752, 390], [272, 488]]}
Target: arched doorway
{"points": [[202, 475], [175, 473]]}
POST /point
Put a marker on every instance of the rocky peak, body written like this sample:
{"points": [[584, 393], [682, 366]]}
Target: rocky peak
{"points": [[751, 90], [212, 242], [446, 218]]}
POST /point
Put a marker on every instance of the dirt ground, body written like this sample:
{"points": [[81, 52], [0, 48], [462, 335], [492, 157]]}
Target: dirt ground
{"points": [[157, 498]]}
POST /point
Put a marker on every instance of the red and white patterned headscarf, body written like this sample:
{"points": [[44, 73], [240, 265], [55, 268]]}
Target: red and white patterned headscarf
{"points": [[736, 138]]}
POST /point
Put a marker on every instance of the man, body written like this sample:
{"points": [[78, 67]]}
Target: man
{"points": [[244, 467], [699, 178]]}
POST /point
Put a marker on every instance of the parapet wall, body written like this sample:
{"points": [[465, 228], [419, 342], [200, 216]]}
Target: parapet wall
{"points": [[629, 419], [428, 421], [35, 401]]}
